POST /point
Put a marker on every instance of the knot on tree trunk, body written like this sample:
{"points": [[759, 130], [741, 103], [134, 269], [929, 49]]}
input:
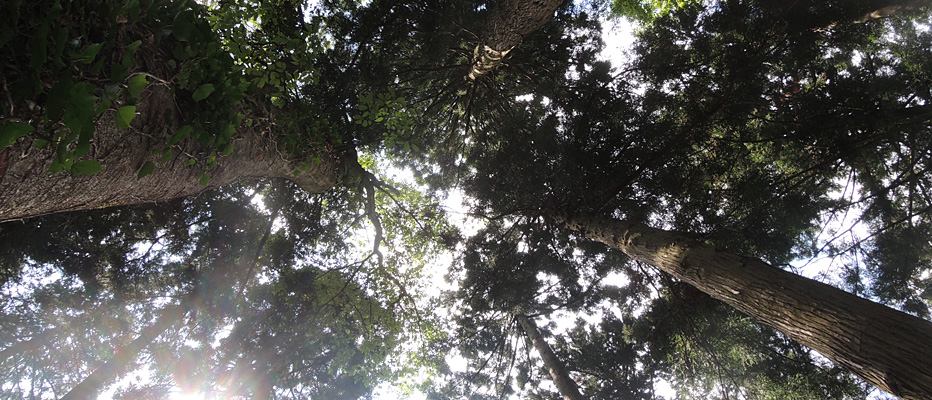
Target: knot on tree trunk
{"points": [[485, 59]]}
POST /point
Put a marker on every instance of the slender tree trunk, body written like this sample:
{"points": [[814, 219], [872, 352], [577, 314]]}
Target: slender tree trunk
{"points": [[510, 22], [888, 348], [561, 378], [124, 357]]}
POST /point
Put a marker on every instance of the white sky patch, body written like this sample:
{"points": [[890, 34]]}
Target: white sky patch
{"points": [[836, 227], [616, 279], [618, 35]]}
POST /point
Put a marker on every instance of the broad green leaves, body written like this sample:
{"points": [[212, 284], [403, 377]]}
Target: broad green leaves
{"points": [[137, 85], [391, 112], [180, 134], [12, 130], [146, 169], [86, 167], [125, 115], [203, 91]]}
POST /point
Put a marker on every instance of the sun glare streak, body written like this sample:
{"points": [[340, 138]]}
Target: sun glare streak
{"points": [[187, 396]]}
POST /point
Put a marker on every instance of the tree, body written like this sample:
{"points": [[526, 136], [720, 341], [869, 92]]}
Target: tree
{"points": [[709, 149], [123, 358], [113, 120], [509, 23], [312, 318], [735, 122], [561, 378], [844, 328]]}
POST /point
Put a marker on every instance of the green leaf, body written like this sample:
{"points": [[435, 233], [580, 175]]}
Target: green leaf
{"points": [[181, 134], [82, 148], [55, 167], [132, 47], [137, 85], [190, 162], [13, 130], [146, 169], [86, 167], [228, 131], [205, 179], [203, 91], [87, 56], [124, 116]]}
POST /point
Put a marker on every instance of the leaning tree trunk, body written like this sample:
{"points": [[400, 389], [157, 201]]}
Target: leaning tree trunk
{"points": [[27, 190], [799, 16], [124, 357], [510, 22], [888, 348], [561, 378]]}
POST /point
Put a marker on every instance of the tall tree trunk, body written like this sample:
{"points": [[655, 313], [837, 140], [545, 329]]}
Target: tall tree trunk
{"points": [[888, 348], [123, 359], [886, 9], [799, 16], [510, 22], [561, 378], [27, 190]]}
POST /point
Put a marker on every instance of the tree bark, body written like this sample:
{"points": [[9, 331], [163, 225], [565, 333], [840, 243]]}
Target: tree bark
{"points": [[888, 348], [510, 22], [27, 190], [121, 361], [886, 9], [800, 17], [561, 378]]}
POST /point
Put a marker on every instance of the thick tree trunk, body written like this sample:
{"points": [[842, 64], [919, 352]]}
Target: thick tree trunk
{"points": [[510, 22], [27, 190], [123, 359], [888, 348], [561, 378], [799, 16], [886, 9]]}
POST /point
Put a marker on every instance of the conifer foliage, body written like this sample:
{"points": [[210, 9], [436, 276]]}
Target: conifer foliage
{"points": [[245, 199]]}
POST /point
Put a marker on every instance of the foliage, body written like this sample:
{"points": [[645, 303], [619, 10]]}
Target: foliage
{"points": [[290, 298], [64, 53], [648, 11], [735, 122]]}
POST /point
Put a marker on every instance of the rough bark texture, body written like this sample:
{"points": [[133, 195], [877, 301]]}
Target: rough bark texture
{"points": [[561, 378], [119, 364], [799, 16], [510, 22], [888, 348], [886, 10], [27, 190]]}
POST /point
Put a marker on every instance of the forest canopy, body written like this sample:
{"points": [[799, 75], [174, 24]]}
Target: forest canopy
{"points": [[288, 199]]}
